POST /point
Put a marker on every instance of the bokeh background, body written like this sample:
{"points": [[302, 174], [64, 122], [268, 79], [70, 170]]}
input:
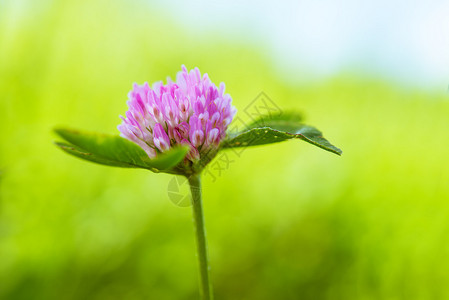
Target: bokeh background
{"points": [[286, 221]]}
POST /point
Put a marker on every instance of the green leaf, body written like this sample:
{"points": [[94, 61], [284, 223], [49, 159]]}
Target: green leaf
{"points": [[287, 121], [274, 129], [116, 151], [78, 152]]}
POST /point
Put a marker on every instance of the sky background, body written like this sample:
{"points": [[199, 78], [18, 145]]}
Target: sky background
{"points": [[403, 41]]}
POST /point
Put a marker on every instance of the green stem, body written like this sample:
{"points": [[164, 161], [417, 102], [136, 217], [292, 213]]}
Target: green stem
{"points": [[201, 242]]}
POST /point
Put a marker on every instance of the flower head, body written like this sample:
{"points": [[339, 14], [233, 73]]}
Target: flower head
{"points": [[191, 111]]}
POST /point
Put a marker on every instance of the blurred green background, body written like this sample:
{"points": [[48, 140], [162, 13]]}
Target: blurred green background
{"points": [[286, 221]]}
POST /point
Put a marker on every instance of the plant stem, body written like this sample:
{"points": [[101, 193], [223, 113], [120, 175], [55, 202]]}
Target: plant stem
{"points": [[201, 242]]}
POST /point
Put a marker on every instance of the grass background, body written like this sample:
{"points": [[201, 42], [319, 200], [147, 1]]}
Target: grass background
{"points": [[287, 221]]}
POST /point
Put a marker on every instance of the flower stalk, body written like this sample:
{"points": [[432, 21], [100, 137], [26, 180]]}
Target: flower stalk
{"points": [[201, 240]]}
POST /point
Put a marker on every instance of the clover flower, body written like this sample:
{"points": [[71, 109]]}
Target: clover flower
{"points": [[191, 111], [178, 128]]}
